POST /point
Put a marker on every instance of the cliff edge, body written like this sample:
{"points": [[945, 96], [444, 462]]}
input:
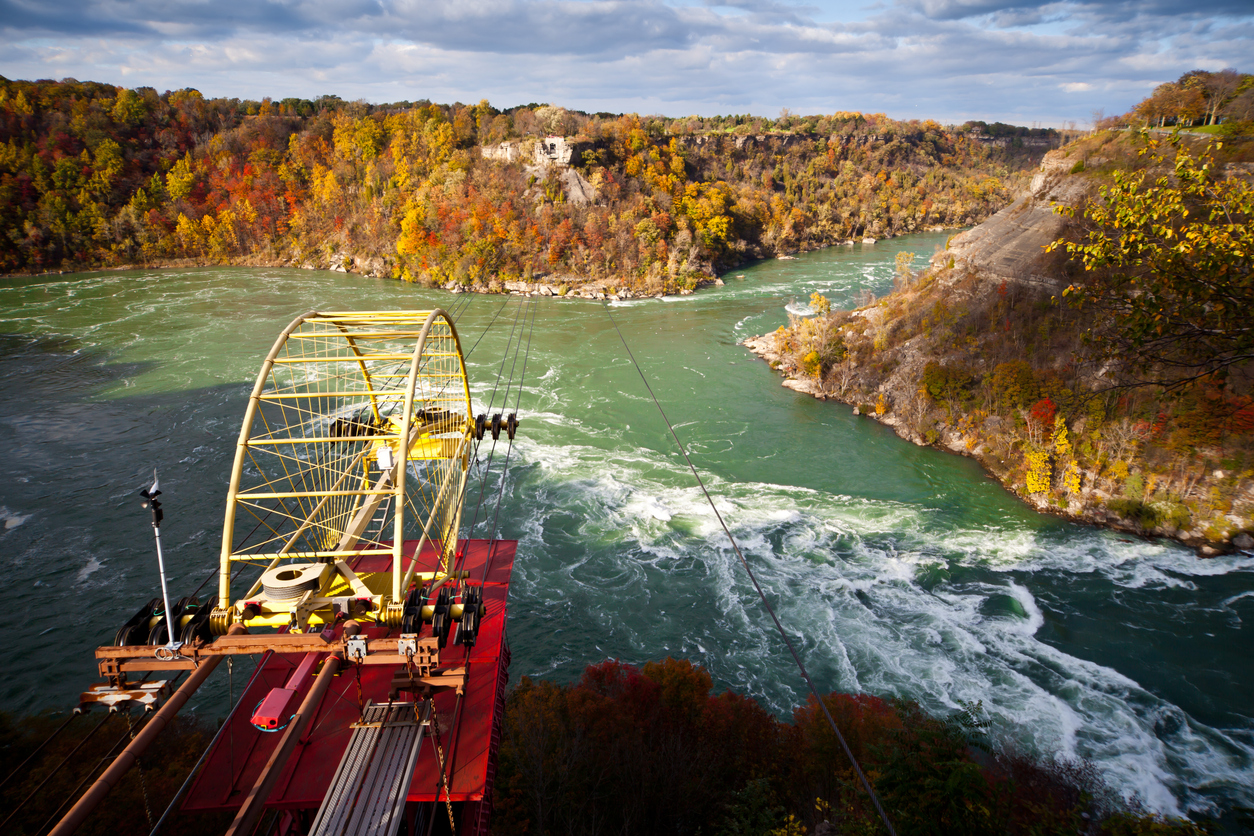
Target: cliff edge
{"points": [[979, 355]]}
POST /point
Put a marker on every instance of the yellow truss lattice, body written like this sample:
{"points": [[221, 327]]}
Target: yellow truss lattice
{"points": [[356, 438]]}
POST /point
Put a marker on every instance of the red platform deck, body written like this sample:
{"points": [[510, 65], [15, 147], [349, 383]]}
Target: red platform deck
{"points": [[468, 734]]}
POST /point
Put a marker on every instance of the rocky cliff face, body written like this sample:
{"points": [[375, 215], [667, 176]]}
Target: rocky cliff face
{"points": [[1010, 245]]}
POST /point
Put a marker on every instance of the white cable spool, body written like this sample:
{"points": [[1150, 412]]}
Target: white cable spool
{"points": [[287, 583]]}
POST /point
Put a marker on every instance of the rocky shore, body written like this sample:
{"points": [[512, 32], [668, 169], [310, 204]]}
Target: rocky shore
{"points": [[889, 347], [556, 286], [1089, 507]]}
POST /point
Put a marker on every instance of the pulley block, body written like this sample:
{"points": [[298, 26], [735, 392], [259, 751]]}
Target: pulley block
{"points": [[359, 425], [442, 618], [472, 616], [498, 421], [220, 620], [162, 630], [136, 628], [195, 626], [411, 621], [431, 416]]}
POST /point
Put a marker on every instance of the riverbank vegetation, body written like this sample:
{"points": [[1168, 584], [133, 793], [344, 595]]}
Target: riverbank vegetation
{"points": [[93, 175], [653, 750], [1111, 376]]}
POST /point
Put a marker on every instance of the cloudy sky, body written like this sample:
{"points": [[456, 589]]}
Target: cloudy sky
{"points": [[951, 60]]}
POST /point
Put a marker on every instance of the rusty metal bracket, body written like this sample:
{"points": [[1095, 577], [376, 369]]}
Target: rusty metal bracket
{"points": [[355, 649], [407, 644], [144, 694]]}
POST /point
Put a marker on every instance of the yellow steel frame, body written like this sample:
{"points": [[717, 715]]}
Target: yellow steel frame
{"points": [[319, 470]]}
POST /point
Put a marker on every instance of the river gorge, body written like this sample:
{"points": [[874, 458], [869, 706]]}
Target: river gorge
{"points": [[899, 570]]}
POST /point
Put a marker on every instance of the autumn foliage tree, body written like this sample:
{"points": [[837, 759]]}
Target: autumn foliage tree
{"points": [[652, 750], [1167, 251], [94, 175]]}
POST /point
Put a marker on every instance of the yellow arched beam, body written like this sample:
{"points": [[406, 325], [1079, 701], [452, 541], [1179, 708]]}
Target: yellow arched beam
{"points": [[241, 451], [401, 580], [447, 503], [365, 374]]}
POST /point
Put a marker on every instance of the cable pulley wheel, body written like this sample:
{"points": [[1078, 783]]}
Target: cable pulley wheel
{"points": [[442, 621], [135, 630], [286, 583], [170, 625], [411, 622], [197, 627], [511, 425], [220, 620], [496, 426]]}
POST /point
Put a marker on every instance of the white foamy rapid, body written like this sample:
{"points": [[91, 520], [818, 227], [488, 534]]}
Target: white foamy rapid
{"points": [[11, 519], [620, 558], [896, 570]]}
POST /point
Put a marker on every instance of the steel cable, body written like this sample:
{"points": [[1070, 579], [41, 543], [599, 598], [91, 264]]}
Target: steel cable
{"points": [[109, 755], [483, 481], [196, 768], [762, 595], [500, 495], [509, 344], [32, 755], [54, 771]]}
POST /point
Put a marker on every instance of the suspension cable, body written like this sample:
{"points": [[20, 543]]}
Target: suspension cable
{"points": [[108, 756], [762, 595], [196, 768], [517, 349], [55, 770], [500, 494], [526, 353], [243, 542], [486, 329], [487, 468], [32, 755], [486, 471], [509, 343]]}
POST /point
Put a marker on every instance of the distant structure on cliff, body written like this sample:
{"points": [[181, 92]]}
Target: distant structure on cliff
{"points": [[549, 150]]}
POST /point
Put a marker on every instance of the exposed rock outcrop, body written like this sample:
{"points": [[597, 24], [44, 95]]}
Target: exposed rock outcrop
{"points": [[956, 320], [1010, 246]]}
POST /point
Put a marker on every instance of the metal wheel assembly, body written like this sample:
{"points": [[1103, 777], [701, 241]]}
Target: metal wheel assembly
{"points": [[356, 439]]}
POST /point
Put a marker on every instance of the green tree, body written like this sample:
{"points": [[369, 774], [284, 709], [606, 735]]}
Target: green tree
{"points": [[1168, 266]]}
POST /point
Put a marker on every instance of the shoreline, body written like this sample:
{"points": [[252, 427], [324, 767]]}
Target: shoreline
{"points": [[1087, 510], [379, 267], [560, 286]]}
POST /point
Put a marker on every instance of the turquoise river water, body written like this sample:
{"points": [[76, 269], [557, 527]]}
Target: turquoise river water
{"points": [[898, 570]]}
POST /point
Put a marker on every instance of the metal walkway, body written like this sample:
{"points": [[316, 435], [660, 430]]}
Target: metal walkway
{"points": [[367, 794]]}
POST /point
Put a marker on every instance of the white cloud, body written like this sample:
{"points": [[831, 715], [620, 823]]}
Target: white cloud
{"points": [[1012, 60]]}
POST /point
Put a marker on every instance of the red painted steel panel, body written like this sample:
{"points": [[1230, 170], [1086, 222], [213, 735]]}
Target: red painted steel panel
{"points": [[235, 762]]}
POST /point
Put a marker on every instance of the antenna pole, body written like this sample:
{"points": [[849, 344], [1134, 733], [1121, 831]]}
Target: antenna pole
{"points": [[165, 592], [150, 501]]}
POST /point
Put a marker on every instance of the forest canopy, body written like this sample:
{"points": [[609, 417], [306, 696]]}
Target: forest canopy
{"points": [[1199, 98], [93, 175]]}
